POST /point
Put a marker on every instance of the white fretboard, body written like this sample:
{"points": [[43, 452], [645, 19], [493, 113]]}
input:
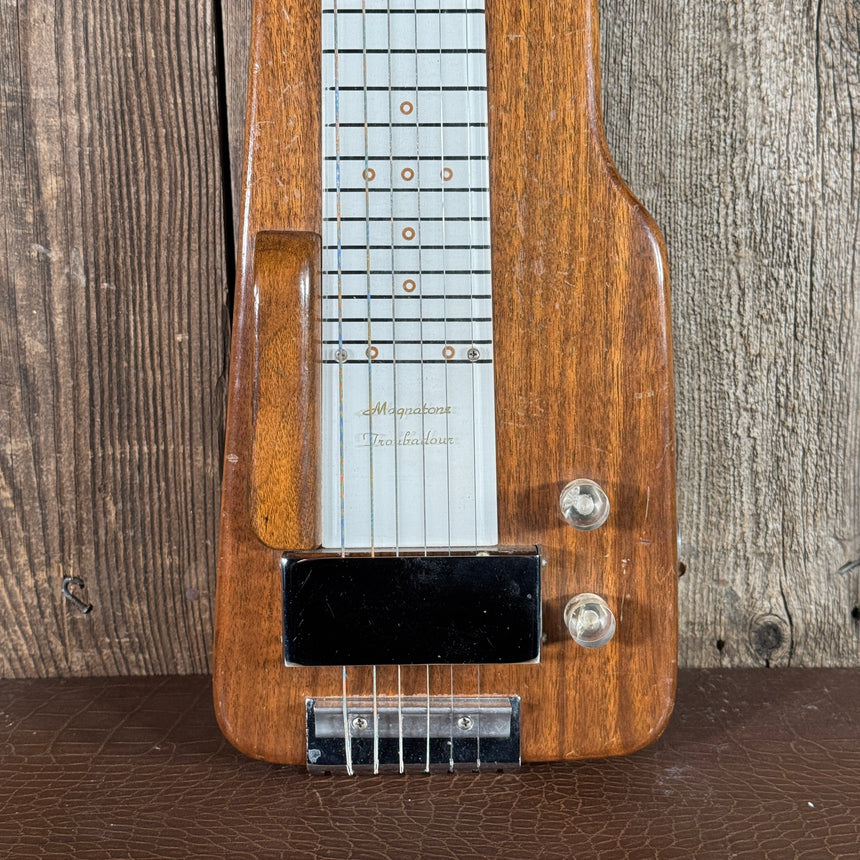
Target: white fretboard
{"points": [[407, 384]]}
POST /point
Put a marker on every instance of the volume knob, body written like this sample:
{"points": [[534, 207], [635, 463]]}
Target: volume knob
{"points": [[584, 504], [589, 620]]}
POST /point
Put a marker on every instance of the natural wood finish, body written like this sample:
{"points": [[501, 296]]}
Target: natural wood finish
{"points": [[251, 686], [583, 388], [737, 126], [112, 335], [284, 480]]}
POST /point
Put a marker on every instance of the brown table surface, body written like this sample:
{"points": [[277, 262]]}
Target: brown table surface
{"points": [[755, 763]]}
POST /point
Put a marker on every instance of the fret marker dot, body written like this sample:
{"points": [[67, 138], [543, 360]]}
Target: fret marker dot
{"points": [[408, 233], [371, 352], [447, 173], [406, 107], [409, 285], [407, 173], [448, 352], [369, 174]]}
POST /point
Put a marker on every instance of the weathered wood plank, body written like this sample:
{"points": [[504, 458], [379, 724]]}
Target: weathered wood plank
{"points": [[112, 335], [237, 43], [735, 124]]}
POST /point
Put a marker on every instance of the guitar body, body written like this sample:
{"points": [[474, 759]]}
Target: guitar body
{"points": [[583, 389]]}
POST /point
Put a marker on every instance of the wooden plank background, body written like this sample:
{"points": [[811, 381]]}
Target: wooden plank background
{"points": [[735, 124]]}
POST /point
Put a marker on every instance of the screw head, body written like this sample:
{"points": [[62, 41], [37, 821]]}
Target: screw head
{"points": [[360, 723], [473, 353], [465, 723]]}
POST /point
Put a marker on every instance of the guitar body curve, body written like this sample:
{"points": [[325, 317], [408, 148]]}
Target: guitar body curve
{"points": [[583, 389]]}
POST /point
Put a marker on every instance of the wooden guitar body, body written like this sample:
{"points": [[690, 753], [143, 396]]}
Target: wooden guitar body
{"points": [[583, 389]]}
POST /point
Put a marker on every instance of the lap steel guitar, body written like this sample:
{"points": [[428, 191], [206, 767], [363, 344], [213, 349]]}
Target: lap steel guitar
{"points": [[448, 536]]}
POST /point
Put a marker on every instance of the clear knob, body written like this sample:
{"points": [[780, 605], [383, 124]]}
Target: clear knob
{"points": [[584, 505], [589, 620]]}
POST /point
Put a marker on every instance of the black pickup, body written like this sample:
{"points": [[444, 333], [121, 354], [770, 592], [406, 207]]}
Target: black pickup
{"points": [[412, 609]]}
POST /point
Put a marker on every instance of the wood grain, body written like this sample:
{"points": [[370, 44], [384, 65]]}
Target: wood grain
{"points": [[112, 335], [736, 125], [744, 145], [583, 389], [284, 481]]}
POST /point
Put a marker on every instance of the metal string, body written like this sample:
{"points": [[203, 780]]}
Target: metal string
{"points": [[472, 331], [399, 723], [427, 766], [444, 275], [451, 741], [421, 332], [445, 329], [420, 282], [393, 287], [366, 175], [375, 726], [347, 738], [347, 734]]}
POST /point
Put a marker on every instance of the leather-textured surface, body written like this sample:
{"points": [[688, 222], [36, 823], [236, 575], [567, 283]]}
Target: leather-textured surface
{"points": [[755, 763]]}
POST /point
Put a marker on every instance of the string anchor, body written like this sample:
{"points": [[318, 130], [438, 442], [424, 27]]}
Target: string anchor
{"points": [[415, 733]]}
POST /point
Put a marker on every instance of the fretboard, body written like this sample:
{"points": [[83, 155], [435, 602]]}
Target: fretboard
{"points": [[408, 435]]}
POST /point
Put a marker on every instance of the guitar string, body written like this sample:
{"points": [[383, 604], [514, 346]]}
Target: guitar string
{"points": [[451, 740], [427, 752], [422, 345], [442, 173], [347, 738], [472, 277], [366, 175], [375, 726], [444, 266], [369, 354], [393, 290], [339, 213], [400, 723], [340, 345], [419, 236]]}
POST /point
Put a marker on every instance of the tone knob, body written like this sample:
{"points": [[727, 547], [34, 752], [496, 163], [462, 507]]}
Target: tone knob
{"points": [[589, 620], [584, 504]]}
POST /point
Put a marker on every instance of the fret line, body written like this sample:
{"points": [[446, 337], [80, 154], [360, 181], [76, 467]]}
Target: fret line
{"points": [[386, 157], [405, 319], [443, 11], [420, 89], [406, 272], [466, 190], [408, 342], [387, 218], [409, 51], [406, 247], [365, 361]]}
